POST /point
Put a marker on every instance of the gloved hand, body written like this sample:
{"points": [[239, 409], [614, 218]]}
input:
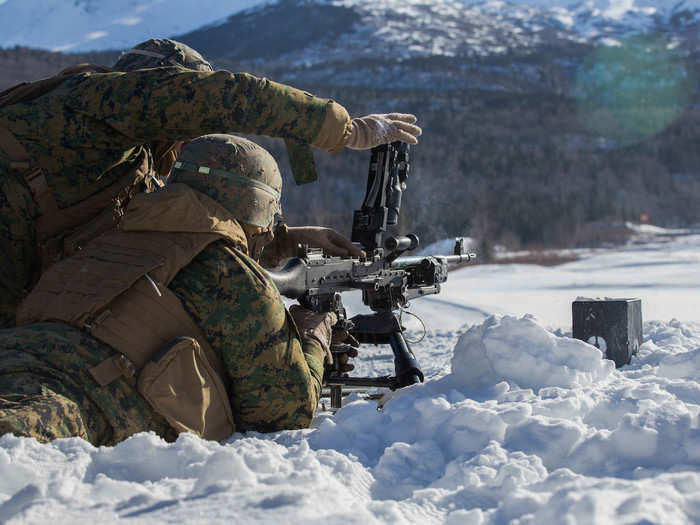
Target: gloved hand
{"points": [[315, 326], [284, 245], [319, 237], [343, 347], [373, 130]]}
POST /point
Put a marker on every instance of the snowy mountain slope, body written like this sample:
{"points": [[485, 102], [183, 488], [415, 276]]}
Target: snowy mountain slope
{"points": [[96, 25], [451, 27], [442, 27], [517, 424], [399, 30]]}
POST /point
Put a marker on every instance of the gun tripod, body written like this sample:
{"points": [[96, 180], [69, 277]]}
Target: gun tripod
{"points": [[378, 328]]}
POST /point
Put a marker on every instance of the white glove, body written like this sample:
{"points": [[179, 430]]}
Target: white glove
{"points": [[373, 130]]}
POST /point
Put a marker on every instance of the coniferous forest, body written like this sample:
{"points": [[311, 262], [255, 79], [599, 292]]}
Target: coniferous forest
{"points": [[556, 163]]}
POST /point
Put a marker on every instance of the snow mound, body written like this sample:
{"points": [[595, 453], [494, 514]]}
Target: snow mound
{"points": [[146, 479], [683, 365], [524, 354], [523, 422], [528, 428]]}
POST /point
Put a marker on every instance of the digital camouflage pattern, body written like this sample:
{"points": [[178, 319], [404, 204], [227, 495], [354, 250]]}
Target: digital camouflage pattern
{"points": [[20, 263], [161, 52], [47, 392], [237, 173], [84, 131], [39, 412], [274, 378], [88, 133]]}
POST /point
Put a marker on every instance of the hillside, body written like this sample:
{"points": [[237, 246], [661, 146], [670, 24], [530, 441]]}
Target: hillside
{"points": [[542, 125]]}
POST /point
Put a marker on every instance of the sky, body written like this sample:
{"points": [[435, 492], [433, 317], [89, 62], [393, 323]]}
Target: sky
{"points": [[120, 24]]}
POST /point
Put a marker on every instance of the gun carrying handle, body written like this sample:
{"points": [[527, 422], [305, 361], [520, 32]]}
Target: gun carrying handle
{"points": [[399, 245]]}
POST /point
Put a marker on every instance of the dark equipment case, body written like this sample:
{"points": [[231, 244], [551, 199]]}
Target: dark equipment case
{"points": [[613, 325]]}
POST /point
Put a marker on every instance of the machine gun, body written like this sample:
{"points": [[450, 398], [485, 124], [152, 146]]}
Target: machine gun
{"points": [[387, 280]]}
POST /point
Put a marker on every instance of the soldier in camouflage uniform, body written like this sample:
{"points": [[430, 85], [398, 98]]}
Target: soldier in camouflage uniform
{"points": [[272, 366], [62, 152]]}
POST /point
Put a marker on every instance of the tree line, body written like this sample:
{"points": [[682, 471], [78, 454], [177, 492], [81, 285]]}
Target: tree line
{"points": [[521, 169]]}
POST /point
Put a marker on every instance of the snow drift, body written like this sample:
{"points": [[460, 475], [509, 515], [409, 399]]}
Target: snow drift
{"points": [[528, 426]]}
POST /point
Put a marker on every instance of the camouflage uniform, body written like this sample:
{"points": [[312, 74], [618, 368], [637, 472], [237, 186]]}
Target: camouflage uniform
{"points": [[46, 390], [273, 375], [87, 133]]}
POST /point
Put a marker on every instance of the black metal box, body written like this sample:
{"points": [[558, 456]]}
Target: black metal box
{"points": [[613, 325]]}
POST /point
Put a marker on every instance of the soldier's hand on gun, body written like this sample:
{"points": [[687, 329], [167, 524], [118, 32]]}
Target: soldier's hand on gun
{"points": [[328, 239], [343, 347], [373, 130], [317, 326]]}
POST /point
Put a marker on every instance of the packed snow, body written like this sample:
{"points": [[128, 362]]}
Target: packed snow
{"points": [[515, 423]]}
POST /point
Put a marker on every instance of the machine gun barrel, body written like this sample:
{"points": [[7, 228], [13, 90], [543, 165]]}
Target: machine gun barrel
{"points": [[403, 262]]}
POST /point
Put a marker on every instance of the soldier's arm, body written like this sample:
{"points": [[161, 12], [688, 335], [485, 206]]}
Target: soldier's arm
{"points": [[275, 377], [176, 104]]}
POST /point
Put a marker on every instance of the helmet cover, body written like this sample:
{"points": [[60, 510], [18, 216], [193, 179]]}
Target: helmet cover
{"points": [[161, 52], [237, 173]]}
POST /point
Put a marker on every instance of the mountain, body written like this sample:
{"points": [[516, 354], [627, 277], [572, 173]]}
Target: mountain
{"points": [[547, 128], [437, 27], [544, 122], [89, 25], [452, 44]]}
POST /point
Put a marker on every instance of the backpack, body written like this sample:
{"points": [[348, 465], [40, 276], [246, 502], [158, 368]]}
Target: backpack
{"points": [[62, 231]]}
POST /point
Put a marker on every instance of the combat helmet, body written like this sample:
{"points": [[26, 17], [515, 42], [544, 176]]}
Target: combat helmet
{"points": [[237, 173], [161, 52]]}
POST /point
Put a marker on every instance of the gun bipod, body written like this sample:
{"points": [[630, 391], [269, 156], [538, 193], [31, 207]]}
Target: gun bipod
{"points": [[329, 391], [337, 392]]}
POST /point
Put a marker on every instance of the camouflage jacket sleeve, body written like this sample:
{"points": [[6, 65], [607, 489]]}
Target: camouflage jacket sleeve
{"points": [[275, 377], [87, 133], [178, 104]]}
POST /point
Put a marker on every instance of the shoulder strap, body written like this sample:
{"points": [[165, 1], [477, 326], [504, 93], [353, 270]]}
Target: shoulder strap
{"points": [[32, 174], [54, 225]]}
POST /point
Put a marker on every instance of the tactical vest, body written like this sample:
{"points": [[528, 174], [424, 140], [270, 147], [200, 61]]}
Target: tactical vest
{"points": [[60, 232], [116, 289]]}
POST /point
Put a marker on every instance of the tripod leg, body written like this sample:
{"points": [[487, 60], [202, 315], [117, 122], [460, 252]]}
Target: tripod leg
{"points": [[336, 396], [406, 365]]}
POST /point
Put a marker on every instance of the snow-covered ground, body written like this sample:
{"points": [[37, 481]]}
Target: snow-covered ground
{"points": [[516, 422], [662, 267]]}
